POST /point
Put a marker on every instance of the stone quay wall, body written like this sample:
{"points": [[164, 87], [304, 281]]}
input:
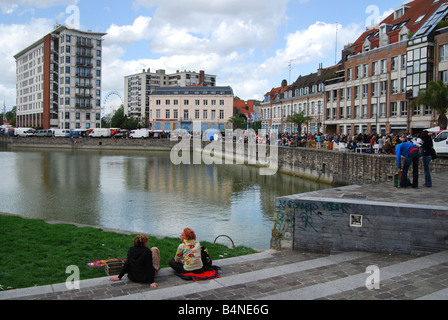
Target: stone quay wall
{"points": [[336, 168], [330, 225]]}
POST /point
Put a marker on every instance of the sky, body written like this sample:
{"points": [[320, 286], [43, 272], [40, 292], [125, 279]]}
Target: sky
{"points": [[250, 45]]}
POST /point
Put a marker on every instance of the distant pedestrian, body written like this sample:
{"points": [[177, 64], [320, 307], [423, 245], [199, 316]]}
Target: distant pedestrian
{"points": [[409, 151], [427, 158]]}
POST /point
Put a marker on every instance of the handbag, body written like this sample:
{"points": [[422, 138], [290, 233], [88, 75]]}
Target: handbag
{"points": [[433, 154]]}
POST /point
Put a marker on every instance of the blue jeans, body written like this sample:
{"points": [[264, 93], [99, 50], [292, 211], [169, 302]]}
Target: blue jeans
{"points": [[411, 159], [426, 166]]}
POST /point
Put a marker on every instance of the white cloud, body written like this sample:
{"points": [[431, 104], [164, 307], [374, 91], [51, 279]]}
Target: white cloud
{"points": [[11, 43], [312, 44], [11, 6], [139, 30]]}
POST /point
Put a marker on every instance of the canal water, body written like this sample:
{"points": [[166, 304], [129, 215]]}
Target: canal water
{"points": [[145, 192]]}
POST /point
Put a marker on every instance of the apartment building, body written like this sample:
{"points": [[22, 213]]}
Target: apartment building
{"points": [[306, 94], [194, 108], [59, 81], [373, 86], [137, 88], [384, 70]]}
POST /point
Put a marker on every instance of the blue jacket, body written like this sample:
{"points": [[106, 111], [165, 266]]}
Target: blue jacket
{"points": [[402, 150]]}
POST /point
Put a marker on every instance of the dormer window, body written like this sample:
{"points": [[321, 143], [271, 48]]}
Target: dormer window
{"points": [[400, 12]]}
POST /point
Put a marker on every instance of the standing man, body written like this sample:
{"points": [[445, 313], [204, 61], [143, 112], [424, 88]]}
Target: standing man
{"points": [[411, 154]]}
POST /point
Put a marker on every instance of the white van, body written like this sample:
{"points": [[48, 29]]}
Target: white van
{"points": [[62, 133], [139, 134], [441, 143], [24, 132], [100, 133]]}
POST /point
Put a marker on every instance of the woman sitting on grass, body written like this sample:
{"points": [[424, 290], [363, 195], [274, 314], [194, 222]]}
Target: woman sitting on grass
{"points": [[188, 255], [142, 263]]}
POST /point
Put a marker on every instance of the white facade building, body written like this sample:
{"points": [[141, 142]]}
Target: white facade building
{"points": [[137, 88], [59, 81]]}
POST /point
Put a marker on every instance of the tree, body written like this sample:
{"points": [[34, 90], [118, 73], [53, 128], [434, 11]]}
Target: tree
{"points": [[239, 121], [299, 119], [436, 97]]}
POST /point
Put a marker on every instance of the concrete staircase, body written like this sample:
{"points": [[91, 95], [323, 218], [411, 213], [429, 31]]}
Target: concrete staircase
{"points": [[274, 275]]}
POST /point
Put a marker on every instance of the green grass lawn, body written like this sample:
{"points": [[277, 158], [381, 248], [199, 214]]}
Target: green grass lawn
{"points": [[35, 253]]}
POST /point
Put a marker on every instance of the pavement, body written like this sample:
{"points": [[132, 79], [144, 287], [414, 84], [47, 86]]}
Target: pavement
{"points": [[270, 276], [285, 275]]}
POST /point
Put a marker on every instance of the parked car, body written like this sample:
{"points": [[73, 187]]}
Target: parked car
{"points": [[139, 134], [441, 143], [44, 133], [100, 133], [24, 132], [62, 133], [121, 134]]}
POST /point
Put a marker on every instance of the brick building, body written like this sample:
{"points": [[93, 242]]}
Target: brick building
{"points": [[384, 70], [373, 86]]}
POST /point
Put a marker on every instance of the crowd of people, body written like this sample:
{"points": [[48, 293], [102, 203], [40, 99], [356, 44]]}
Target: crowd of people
{"points": [[384, 143]]}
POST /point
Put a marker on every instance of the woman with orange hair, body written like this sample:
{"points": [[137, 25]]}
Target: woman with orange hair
{"points": [[188, 255]]}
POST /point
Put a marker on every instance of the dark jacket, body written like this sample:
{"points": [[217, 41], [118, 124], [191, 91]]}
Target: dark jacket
{"points": [[139, 265], [427, 145]]}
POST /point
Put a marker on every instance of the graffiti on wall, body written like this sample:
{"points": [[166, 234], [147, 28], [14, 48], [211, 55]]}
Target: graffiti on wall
{"points": [[307, 216]]}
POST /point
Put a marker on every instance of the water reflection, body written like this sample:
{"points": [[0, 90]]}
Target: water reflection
{"points": [[145, 192]]}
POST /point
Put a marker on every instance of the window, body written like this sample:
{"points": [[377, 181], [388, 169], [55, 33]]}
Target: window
{"points": [[365, 90], [356, 92], [393, 109], [186, 115], [357, 113], [213, 114], [167, 113], [196, 114], [221, 114], [444, 52], [404, 108], [375, 89], [383, 66], [420, 18], [158, 113], [382, 110], [364, 111], [176, 114], [383, 88], [205, 114], [444, 76], [375, 68], [394, 86], [403, 85], [394, 63]]}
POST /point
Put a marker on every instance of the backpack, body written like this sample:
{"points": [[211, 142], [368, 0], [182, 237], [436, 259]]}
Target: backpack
{"points": [[207, 260]]}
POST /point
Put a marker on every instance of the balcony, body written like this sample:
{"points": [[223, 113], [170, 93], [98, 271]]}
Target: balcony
{"points": [[84, 44]]}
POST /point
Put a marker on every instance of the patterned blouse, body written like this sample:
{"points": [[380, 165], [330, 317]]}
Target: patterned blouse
{"points": [[189, 253]]}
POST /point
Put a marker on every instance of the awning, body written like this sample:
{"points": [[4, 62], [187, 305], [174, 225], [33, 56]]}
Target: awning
{"points": [[436, 129]]}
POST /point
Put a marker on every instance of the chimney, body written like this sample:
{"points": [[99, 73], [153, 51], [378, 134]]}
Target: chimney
{"points": [[202, 77], [319, 71], [284, 83]]}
